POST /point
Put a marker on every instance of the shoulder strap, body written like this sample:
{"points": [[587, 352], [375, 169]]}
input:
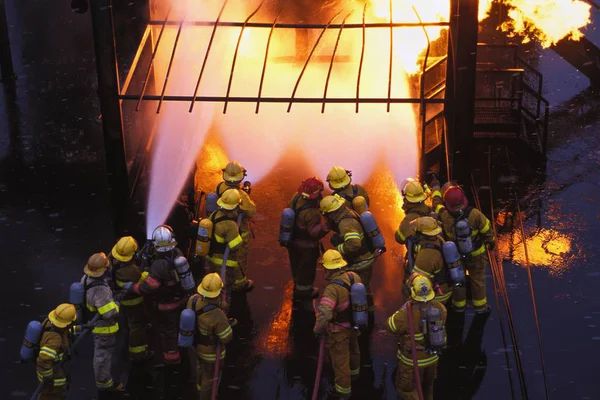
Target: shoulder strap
{"points": [[213, 218], [94, 283], [355, 190], [431, 246], [341, 283], [219, 188], [205, 309], [351, 277], [194, 301], [295, 201]]}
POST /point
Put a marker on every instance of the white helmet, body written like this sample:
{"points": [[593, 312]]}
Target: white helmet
{"points": [[164, 239]]}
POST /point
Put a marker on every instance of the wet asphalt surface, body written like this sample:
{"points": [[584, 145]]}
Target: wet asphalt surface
{"points": [[54, 213]]}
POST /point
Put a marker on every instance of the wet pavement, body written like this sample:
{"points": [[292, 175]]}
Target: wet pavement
{"points": [[55, 212]]}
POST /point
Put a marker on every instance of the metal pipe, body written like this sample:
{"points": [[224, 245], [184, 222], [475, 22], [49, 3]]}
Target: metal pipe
{"points": [[545, 139], [210, 42], [337, 42], [320, 362], [264, 68], [164, 89], [362, 56], [237, 47], [308, 60], [422, 90], [305, 26], [391, 54], [137, 108], [136, 60], [242, 99]]}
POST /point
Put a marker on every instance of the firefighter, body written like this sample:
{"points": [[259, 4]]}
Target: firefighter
{"points": [[422, 298], [54, 344], [227, 233], [181, 220], [212, 326], [99, 299], [162, 280], [334, 317], [349, 239], [452, 208], [304, 249], [430, 259], [414, 207], [340, 181], [125, 269], [233, 175]]}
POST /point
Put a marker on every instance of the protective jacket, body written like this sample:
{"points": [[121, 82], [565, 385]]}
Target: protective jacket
{"points": [[54, 344], [247, 206], [430, 263], [124, 272], [353, 243], [350, 192], [335, 312], [309, 227], [398, 324], [412, 211], [162, 280], [225, 233], [99, 298], [211, 326]]}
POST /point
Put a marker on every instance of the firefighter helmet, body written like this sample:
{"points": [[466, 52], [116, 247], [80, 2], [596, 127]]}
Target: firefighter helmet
{"points": [[455, 199], [63, 315], [331, 203], [210, 286], [428, 226], [164, 239], [96, 265], [124, 249], [339, 178], [421, 288], [311, 188], [234, 172], [413, 191], [230, 199], [446, 185], [332, 259]]}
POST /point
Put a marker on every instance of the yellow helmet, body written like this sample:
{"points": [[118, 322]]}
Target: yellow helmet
{"points": [[413, 191], [421, 288], [428, 226], [210, 286], [233, 172], [331, 203], [124, 249], [332, 259], [230, 199], [63, 315], [339, 177]]}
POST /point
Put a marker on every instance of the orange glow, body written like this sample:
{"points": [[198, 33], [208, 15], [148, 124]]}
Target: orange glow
{"points": [[211, 160], [275, 340], [546, 248]]}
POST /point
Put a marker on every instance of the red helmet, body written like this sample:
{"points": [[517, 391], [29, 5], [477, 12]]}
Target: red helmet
{"points": [[311, 188], [455, 199]]}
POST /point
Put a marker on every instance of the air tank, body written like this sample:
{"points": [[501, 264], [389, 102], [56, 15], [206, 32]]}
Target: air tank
{"points": [[77, 298], [286, 226], [464, 241], [454, 262], [372, 230], [31, 341], [205, 228], [186, 279], [358, 297], [187, 325], [435, 330], [359, 204], [211, 203]]}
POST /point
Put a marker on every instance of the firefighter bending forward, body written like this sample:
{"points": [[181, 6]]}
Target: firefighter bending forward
{"points": [[211, 326], [340, 182], [421, 298], [334, 316], [452, 208], [233, 175], [54, 344]]}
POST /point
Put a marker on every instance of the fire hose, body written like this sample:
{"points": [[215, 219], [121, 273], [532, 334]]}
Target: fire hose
{"points": [[320, 362], [413, 347], [215, 382]]}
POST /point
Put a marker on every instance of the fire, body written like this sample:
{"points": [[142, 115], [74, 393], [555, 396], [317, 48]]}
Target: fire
{"points": [[548, 21]]}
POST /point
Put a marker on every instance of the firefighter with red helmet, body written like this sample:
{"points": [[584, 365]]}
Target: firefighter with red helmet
{"points": [[455, 213], [309, 228], [340, 182]]}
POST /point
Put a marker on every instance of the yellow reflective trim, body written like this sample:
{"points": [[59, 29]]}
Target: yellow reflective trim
{"points": [[219, 239], [479, 251], [351, 235], [235, 242], [474, 232], [486, 227], [132, 302], [108, 307], [48, 351], [226, 332], [104, 385], [60, 381], [340, 248], [361, 265], [443, 297], [425, 362], [198, 387], [420, 271], [245, 234], [342, 389], [392, 324], [138, 349], [106, 330], [219, 261], [120, 283], [401, 235], [436, 193], [459, 303], [45, 373], [238, 281], [479, 303], [355, 371], [439, 208], [211, 357]]}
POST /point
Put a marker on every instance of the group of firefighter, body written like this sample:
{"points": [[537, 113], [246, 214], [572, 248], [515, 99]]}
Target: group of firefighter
{"points": [[130, 278]]}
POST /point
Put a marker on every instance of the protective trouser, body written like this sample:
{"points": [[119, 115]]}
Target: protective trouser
{"points": [[241, 272], [344, 355], [168, 325], [104, 347], [476, 268], [205, 371], [303, 262], [365, 277], [406, 384], [136, 321], [55, 389]]}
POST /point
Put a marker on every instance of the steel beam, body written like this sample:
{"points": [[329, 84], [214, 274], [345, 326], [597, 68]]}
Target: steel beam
{"points": [[460, 86], [112, 122]]}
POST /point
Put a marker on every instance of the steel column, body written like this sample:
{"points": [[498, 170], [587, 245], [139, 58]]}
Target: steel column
{"points": [[112, 123], [460, 85]]}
